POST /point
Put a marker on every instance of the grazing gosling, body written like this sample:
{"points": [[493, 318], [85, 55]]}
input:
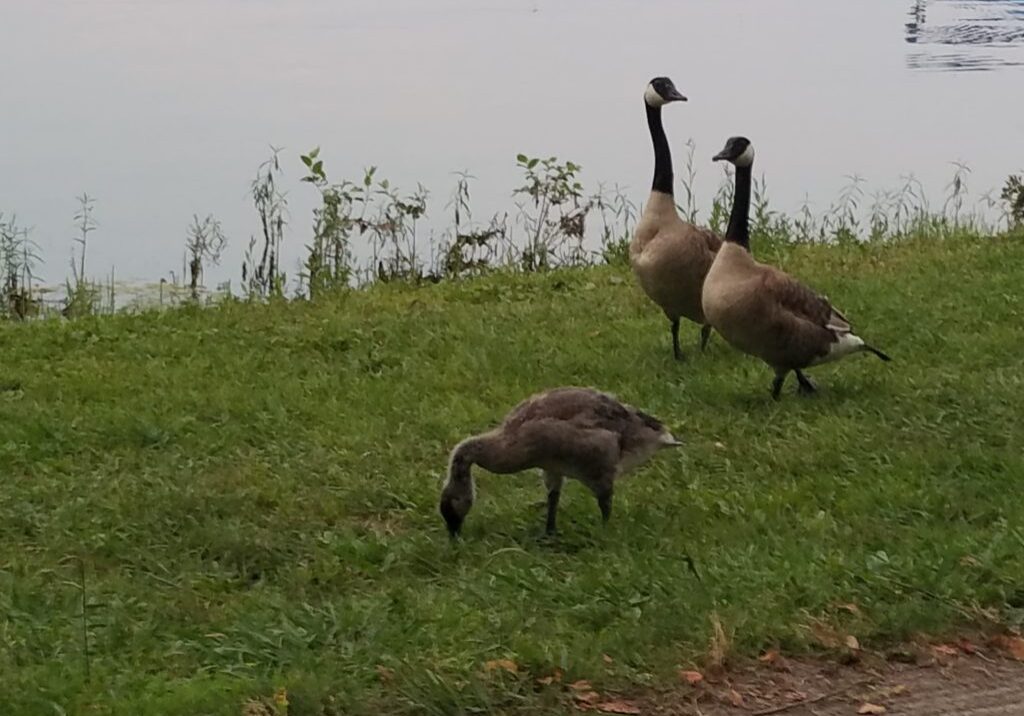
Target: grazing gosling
{"points": [[567, 432], [763, 311], [669, 256]]}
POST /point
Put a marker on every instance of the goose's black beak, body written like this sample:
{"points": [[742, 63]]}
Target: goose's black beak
{"points": [[675, 96], [452, 520], [720, 156]]}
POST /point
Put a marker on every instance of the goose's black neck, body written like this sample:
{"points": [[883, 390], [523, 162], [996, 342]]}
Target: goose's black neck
{"points": [[739, 220], [662, 156]]}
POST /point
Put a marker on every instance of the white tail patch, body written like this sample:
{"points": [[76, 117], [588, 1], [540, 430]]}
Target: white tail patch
{"points": [[847, 344], [666, 439]]}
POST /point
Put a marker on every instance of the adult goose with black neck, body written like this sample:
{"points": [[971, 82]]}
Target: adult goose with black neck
{"points": [[763, 311], [669, 256]]}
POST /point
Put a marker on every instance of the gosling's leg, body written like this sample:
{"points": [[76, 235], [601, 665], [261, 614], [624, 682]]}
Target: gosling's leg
{"points": [[603, 486], [807, 386], [705, 336], [676, 350], [554, 484], [780, 378]]}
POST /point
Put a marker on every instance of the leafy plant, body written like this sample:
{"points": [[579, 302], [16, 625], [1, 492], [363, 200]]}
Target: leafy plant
{"points": [[261, 269], [18, 258], [471, 247], [204, 243], [329, 259], [555, 226], [1013, 195], [82, 296]]}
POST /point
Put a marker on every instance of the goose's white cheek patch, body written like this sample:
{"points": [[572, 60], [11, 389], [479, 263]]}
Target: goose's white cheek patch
{"points": [[747, 158], [652, 97]]}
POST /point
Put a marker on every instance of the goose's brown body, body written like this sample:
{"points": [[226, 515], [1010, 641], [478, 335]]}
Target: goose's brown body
{"points": [[670, 259], [760, 310]]}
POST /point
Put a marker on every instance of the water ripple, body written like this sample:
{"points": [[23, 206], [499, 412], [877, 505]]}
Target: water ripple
{"points": [[938, 26]]}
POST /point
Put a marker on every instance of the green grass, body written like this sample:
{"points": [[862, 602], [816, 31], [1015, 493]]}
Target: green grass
{"points": [[253, 490]]}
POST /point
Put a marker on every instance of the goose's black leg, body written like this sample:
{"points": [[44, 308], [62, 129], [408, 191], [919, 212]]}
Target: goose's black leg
{"points": [[676, 350], [604, 501], [705, 336], [807, 386], [780, 378], [554, 484]]}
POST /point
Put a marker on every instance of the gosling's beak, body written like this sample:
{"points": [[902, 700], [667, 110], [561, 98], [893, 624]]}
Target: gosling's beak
{"points": [[452, 520]]}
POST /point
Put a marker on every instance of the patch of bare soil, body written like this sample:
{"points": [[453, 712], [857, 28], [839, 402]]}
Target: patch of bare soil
{"points": [[938, 680]]}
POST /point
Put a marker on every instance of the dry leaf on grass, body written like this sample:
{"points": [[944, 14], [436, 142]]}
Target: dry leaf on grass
{"points": [[891, 691], [555, 677], [691, 677], [852, 643], [852, 608], [967, 647], [769, 656], [826, 635], [581, 685], [1014, 645], [944, 649], [735, 698], [504, 664], [607, 659], [871, 709], [257, 708], [586, 697], [618, 707]]}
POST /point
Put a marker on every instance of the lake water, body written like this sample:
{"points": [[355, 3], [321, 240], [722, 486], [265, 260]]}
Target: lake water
{"points": [[164, 108]]}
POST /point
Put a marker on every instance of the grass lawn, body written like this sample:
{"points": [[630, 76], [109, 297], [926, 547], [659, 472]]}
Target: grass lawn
{"points": [[252, 491]]}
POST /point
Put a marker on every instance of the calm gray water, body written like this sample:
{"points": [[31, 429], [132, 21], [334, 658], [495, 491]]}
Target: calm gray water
{"points": [[163, 108]]}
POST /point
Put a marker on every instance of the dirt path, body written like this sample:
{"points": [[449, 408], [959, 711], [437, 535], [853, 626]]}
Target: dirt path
{"points": [[982, 684]]}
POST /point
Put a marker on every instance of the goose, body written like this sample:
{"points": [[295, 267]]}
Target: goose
{"points": [[574, 432], [763, 311], [669, 256]]}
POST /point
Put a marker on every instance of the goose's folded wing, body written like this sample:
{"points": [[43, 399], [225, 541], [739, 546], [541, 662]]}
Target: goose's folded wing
{"points": [[805, 303], [712, 241]]}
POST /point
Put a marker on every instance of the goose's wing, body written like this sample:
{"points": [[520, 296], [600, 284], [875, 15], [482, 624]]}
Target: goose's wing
{"points": [[803, 302], [706, 239], [712, 241], [582, 409]]}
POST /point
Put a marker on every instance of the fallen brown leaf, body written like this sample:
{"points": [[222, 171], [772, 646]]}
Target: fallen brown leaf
{"points": [[945, 650], [618, 707], [691, 677], [769, 656], [587, 697], [852, 608], [1012, 644], [871, 709], [967, 647], [852, 643], [554, 677], [826, 635], [581, 685], [735, 698], [607, 659], [504, 664]]}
